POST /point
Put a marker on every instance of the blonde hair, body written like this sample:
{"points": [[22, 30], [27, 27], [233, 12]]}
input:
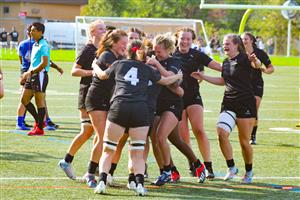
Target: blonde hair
{"points": [[110, 38], [93, 26], [165, 41]]}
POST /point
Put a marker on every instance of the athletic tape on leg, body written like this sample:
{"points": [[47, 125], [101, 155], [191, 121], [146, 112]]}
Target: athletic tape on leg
{"points": [[226, 120], [137, 145], [110, 145], [86, 122]]}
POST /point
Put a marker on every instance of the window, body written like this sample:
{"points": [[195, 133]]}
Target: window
{"points": [[5, 9]]}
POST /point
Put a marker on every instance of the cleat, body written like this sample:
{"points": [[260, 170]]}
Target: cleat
{"points": [[247, 179], [210, 175], [231, 172], [175, 176], [200, 173], [50, 128], [50, 123], [67, 168], [100, 189], [36, 132], [131, 185], [90, 180], [140, 190], [22, 127], [110, 180], [253, 141], [163, 178]]}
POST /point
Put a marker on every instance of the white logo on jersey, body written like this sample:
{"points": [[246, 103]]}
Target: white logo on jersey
{"points": [[131, 76], [150, 83]]}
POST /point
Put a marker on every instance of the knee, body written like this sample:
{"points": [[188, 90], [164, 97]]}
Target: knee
{"points": [[222, 135], [245, 144], [161, 139]]}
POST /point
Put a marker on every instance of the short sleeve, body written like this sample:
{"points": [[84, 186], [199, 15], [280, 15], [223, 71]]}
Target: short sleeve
{"points": [[44, 50]]}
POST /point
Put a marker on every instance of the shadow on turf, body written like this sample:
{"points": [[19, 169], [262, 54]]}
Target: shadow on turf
{"points": [[26, 156]]}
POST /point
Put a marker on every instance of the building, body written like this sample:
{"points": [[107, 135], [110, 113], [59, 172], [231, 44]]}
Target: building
{"points": [[20, 13]]}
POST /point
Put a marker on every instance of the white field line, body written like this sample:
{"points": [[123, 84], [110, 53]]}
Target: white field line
{"points": [[125, 177], [75, 116]]}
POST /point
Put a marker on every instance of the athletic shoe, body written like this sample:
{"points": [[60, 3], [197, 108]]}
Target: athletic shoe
{"points": [[231, 172], [100, 189], [253, 141], [22, 127], [140, 190], [209, 175], [200, 173], [50, 123], [50, 128], [67, 168], [131, 185], [163, 178], [90, 180], [175, 176], [110, 180], [247, 179], [36, 132]]}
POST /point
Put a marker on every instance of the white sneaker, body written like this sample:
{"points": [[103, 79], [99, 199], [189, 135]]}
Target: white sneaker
{"points": [[67, 168], [100, 189], [131, 185], [248, 178], [110, 180], [140, 190], [231, 172]]}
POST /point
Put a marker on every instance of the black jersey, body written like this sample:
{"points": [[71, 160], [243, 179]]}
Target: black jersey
{"points": [[152, 93], [14, 36], [237, 75], [191, 62], [264, 58], [85, 59], [3, 36], [132, 79], [105, 60], [172, 64]]}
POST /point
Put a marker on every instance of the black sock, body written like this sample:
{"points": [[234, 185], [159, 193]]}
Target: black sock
{"points": [[167, 168], [248, 167], [41, 115], [112, 168], [161, 171], [197, 164], [139, 179], [31, 109], [131, 177], [230, 163], [92, 167], [208, 166], [253, 134], [103, 177], [69, 158], [174, 169]]}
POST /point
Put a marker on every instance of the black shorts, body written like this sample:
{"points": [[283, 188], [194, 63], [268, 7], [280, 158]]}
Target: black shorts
{"points": [[175, 107], [97, 99], [242, 109], [22, 71], [192, 99], [258, 89], [129, 114], [37, 82], [83, 89]]}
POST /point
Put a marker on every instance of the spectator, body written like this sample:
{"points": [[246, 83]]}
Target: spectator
{"points": [[14, 35], [259, 43], [270, 46]]}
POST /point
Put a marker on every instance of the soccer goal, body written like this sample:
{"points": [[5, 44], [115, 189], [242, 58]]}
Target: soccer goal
{"points": [[151, 26]]}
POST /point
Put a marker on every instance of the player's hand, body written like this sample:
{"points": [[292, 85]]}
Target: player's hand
{"points": [[152, 61], [197, 75]]}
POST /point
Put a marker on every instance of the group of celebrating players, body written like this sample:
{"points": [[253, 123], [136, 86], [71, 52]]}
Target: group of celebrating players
{"points": [[139, 88]]}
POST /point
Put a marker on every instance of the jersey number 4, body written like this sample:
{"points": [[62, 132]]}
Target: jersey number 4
{"points": [[131, 76]]}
